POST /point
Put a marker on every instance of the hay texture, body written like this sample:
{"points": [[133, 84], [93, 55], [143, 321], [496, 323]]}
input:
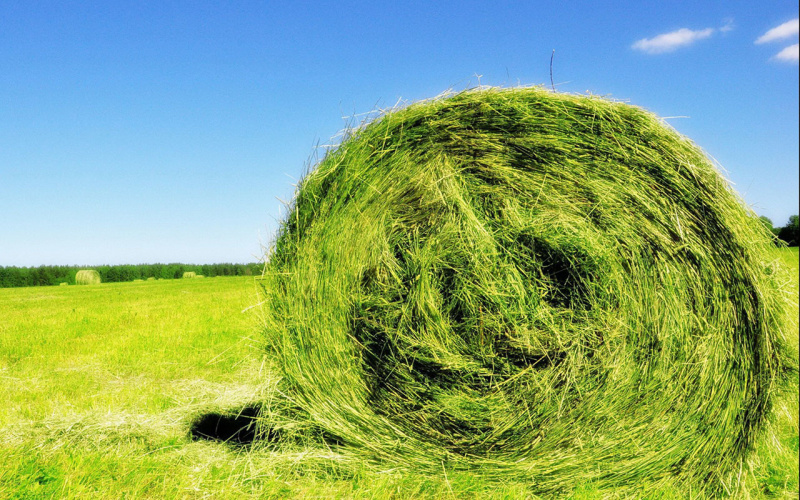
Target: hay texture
{"points": [[554, 287], [190, 274], [87, 277]]}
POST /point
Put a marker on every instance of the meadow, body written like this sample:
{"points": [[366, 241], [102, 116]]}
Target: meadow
{"points": [[101, 383]]}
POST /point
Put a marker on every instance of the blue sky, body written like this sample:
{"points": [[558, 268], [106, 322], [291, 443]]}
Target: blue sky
{"points": [[168, 131]]}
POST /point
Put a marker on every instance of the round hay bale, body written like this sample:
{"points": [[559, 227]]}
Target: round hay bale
{"points": [[549, 286], [87, 277], [189, 274]]}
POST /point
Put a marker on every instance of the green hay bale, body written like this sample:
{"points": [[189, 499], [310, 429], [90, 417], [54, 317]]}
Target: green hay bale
{"points": [[87, 277], [550, 287], [190, 274]]}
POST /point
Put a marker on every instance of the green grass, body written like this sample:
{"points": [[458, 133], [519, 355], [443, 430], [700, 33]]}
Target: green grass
{"points": [[100, 383], [789, 257]]}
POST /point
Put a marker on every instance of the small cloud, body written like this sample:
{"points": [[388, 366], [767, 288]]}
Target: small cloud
{"points": [[789, 54], [728, 26], [785, 30], [667, 42]]}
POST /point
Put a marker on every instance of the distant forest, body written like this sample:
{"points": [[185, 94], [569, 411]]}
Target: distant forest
{"points": [[55, 275], [789, 234]]}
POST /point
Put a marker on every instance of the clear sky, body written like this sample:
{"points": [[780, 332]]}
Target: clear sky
{"points": [[144, 132]]}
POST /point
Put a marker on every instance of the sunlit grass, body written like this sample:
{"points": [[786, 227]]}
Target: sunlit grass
{"points": [[121, 345], [103, 378], [101, 382]]}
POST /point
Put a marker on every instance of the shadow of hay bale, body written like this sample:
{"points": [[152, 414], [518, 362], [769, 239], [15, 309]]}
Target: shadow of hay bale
{"points": [[234, 428], [248, 425]]}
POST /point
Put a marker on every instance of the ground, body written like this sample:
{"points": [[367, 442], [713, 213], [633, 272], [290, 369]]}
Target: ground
{"points": [[101, 383]]}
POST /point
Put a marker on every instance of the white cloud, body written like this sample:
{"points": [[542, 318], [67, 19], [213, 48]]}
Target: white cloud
{"points": [[789, 54], [728, 26], [785, 30], [667, 42]]}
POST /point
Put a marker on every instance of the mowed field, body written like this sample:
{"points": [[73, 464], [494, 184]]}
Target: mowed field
{"points": [[100, 383]]}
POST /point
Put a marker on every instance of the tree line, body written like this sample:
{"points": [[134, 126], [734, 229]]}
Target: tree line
{"points": [[55, 275], [789, 234]]}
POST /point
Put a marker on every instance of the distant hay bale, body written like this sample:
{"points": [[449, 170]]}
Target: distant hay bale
{"points": [[200, 276], [151, 278], [555, 288], [63, 283], [87, 277], [190, 274]]}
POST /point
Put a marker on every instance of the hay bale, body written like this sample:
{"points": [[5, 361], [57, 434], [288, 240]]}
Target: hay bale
{"points": [[87, 277], [190, 274], [552, 287], [63, 283]]}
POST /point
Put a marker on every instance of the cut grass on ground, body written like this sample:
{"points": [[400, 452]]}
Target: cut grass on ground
{"points": [[100, 384]]}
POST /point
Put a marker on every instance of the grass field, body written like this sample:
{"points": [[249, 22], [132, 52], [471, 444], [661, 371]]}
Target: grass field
{"points": [[101, 382]]}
